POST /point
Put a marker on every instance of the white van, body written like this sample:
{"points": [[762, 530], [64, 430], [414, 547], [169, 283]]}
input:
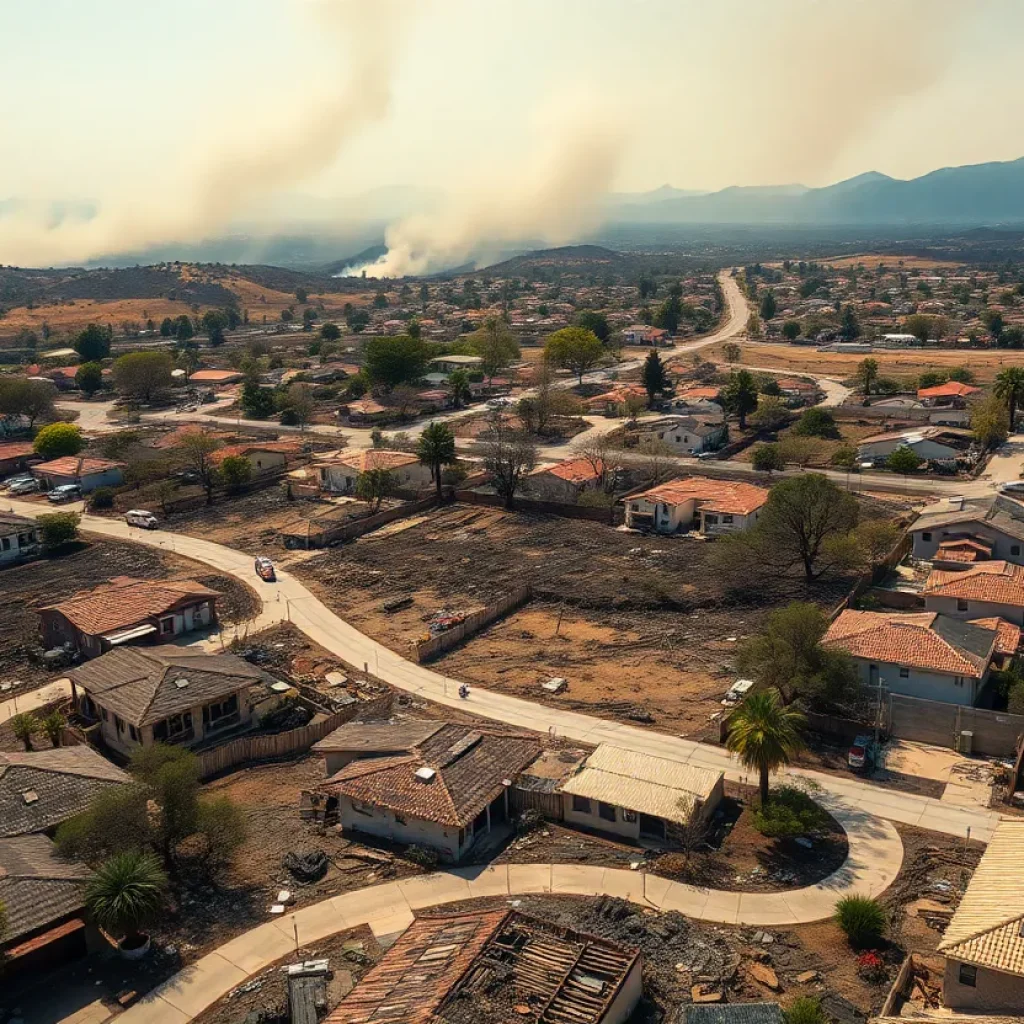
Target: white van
{"points": [[139, 517]]}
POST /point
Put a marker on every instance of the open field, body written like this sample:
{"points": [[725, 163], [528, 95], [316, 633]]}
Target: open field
{"points": [[902, 363], [872, 260], [637, 625]]}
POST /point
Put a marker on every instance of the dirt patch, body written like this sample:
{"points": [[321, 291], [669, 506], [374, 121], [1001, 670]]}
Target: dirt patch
{"points": [[24, 588]]}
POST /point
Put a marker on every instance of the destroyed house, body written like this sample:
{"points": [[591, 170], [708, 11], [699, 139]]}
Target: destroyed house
{"points": [[445, 791], [501, 966]]}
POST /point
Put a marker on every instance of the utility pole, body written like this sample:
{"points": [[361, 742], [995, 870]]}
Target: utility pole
{"points": [[878, 715]]}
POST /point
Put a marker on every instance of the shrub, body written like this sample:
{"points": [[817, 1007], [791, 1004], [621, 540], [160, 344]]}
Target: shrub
{"points": [[790, 812], [862, 920], [117, 820], [58, 440], [805, 1010], [102, 497], [422, 855], [126, 893], [871, 967], [58, 529], [817, 422]]}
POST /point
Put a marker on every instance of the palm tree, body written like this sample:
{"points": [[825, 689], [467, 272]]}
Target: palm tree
{"points": [[24, 727], [436, 448], [1010, 388], [54, 725], [126, 893], [765, 734]]}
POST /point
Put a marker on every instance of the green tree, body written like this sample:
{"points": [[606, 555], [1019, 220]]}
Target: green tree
{"points": [[962, 375], [58, 529], [170, 775], [330, 332], [380, 300], [166, 327], [93, 343], [127, 893], [923, 326], [654, 377], [731, 352], [32, 399], [25, 726], [495, 344], [993, 320], [301, 296], [802, 517], [771, 414], [817, 422], [298, 404], [183, 329], [257, 402], [849, 327], [768, 305], [765, 735], [867, 374], [393, 361], [215, 324], [196, 448], [791, 330], [89, 378], [357, 320], [903, 460], [236, 472], [374, 485], [740, 395], [596, 323], [669, 314], [1009, 387], [459, 389], [767, 458], [141, 375], [990, 422], [58, 440], [575, 349], [436, 449], [53, 725], [508, 456]]}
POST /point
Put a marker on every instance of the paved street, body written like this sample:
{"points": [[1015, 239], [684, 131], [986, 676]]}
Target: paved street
{"points": [[320, 624]]}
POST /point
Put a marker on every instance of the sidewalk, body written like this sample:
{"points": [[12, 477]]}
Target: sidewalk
{"points": [[873, 862]]}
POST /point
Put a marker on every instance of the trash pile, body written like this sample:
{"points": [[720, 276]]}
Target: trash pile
{"points": [[443, 620]]}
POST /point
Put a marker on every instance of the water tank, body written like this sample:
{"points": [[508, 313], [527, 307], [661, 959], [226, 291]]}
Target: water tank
{"points": [[966, 742]]}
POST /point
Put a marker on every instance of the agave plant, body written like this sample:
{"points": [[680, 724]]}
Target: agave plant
{"points": [[126, 893]]}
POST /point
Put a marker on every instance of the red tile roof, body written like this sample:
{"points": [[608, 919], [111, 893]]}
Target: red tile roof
{"points": [[951, 389], [216, 376], [907, 639], [15, 450], [76, 466], [365, 459], [125, 601], [254, 448], [575, 471], [174, 437], [696, 394], [1007, 634], [996, 582], [715, 495]]}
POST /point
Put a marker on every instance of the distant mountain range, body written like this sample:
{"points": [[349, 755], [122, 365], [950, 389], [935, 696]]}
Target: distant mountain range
{"points": [[975, 195]]}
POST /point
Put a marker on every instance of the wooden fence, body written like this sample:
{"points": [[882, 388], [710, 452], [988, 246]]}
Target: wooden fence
{"points": [[431, 648], [272, 747]]}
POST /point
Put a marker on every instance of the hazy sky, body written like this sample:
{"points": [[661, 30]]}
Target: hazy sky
{"points": [[131, 102]]}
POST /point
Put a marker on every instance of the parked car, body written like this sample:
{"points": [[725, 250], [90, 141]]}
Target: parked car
{"points": [[66, 492], [140, 517], [265, 569], [703, 456], [862, 754], [737, 692], [1014, 487], [499, 403], [27, 485]]}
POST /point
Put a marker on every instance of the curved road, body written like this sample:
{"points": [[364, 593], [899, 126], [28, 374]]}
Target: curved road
{"points": [[874, 861], [322, 626]]}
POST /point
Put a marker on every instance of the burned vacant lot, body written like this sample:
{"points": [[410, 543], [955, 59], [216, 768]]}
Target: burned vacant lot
{"points": [[638, 626]]}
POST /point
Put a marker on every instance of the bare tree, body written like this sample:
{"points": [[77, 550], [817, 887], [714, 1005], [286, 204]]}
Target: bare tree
{"points": [[508, 456], [197, 448], [657, 461], [600, 454]]}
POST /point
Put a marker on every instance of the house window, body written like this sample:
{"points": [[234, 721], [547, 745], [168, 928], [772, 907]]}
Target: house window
{"points": [[6, 543], [959, 680], [904, 673], [119, 724], [969, 975], [727, 519], [105, 714], [1014, 549], [222, 713], [926, 536], [134, 733], [167, 625], [581, 804], [961, 604], [710, 520], [175, 728], [628, 815], [606, 811]]}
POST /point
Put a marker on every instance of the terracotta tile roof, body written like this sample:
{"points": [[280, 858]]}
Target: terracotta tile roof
{"points": [[574, 471], [76, 465], [1007, 634], [417, 973], [987, 927], [366, 407], [62, 782], [470, 769], [996, 582], [951, 389], [364, 459], [708, 394], [36, 886], [144, 685], [174, 438], [125, 601], [246, 449], [16, 450], [714, 495], [216, 376], [923, 640], [963, 550]]}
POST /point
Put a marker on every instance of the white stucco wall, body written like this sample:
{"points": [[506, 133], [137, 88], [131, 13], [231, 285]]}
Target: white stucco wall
{"points": [[1007, 549], [385, 824], [668, 518], [927, 685], [18, 543], [995, 992], [975, 609]]}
